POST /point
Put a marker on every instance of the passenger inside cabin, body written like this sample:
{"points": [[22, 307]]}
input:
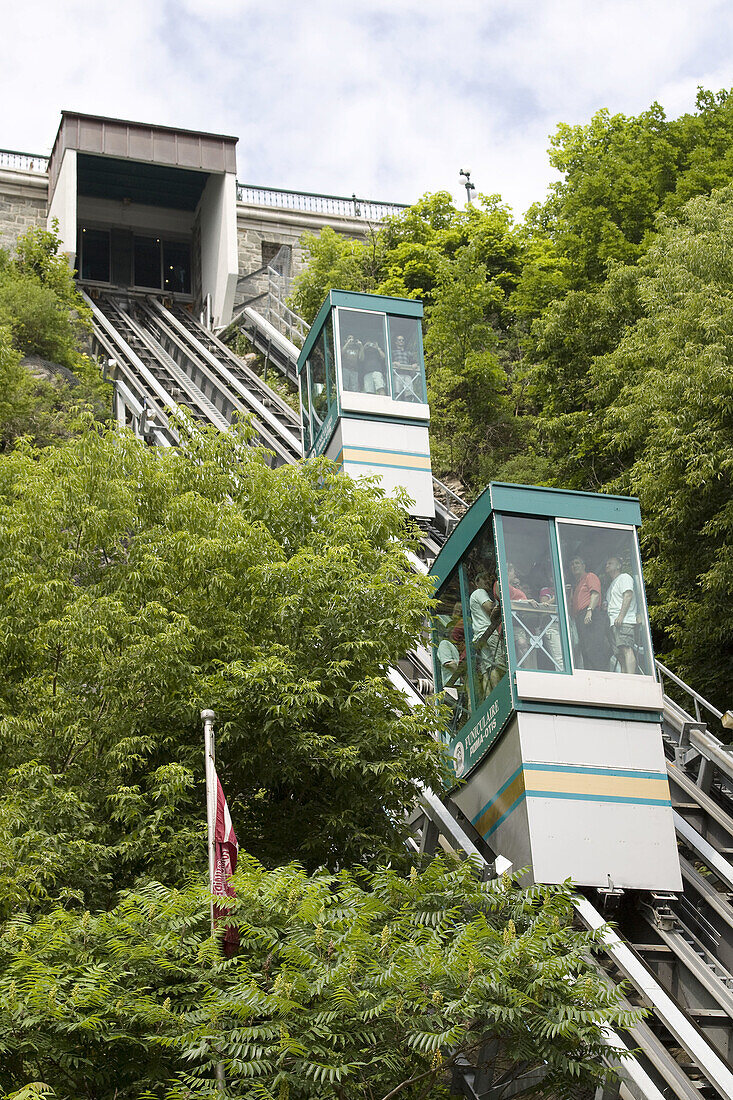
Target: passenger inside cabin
{"points": [[549, 632], [588, 618], [374, 368], [486, 637], [452, 661], [351, 357], [406, 371], [622, 614], [518, 597]]}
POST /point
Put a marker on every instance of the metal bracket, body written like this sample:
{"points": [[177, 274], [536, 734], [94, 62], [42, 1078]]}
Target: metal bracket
{"points": [[659, 908], [684, 751]]}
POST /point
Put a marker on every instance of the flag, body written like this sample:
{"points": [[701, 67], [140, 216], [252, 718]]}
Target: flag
{"points": [[225, 864]]}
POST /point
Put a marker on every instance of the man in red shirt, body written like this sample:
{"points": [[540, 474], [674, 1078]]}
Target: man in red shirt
{"points": [[589, 620]]}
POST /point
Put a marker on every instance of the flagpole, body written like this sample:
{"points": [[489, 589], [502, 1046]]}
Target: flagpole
{"points": [[208, 717]]}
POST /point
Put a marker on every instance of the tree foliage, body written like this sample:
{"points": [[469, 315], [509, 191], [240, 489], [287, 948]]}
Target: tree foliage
{"points": [[363, 985], [619, 172], [140, 585], [42, 314]]}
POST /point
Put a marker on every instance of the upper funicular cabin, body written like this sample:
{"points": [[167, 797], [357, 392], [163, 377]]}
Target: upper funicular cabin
{"points": [[363, 395]]}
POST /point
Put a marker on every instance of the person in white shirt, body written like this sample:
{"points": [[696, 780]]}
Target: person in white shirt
{"points": [[449, 659], [485, 635], [622, 614]]}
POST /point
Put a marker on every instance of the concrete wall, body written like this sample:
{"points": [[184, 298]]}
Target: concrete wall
{"points": [[23, 200], [216, 215], [62, 205]]}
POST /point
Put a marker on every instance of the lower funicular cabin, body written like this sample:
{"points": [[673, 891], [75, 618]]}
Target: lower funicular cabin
{"points": [[542, 651], [362, 392]]}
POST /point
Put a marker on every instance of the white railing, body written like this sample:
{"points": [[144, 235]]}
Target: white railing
{"points": [[311, 203], [277, 310], [700, 704], [24, 162]]}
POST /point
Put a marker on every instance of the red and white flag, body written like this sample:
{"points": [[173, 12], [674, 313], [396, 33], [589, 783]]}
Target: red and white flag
{"points": [[225, 864]]}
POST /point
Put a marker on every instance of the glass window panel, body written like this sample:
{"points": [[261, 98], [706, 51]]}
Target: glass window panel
{"points": [[532, 594], [405, 352], [305, 411], [147, 262], [318, 391], [330, 360], [177, 267], [95, 255], [487, 646], [449, 652], [363, 348], [609, 630]]}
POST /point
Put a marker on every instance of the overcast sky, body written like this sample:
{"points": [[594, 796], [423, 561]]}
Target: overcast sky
{"points": [[385, 98]]}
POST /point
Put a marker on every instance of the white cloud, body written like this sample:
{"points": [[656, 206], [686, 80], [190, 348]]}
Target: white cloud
{"points": [[388, 100]]}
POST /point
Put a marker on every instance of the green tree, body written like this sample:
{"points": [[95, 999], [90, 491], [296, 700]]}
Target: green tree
{"points": [[140, 585], [365, 986], [668, 429], [42, 314], [467, 385], [619, 172]]}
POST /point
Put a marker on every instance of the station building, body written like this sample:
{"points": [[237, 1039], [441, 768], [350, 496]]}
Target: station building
{"points": [[160, 209]]}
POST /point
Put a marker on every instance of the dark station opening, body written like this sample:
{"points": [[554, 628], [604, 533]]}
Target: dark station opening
{"points": [[131, 257]]}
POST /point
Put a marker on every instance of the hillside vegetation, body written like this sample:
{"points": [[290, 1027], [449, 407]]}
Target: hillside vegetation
{"points": [[589, 346]]}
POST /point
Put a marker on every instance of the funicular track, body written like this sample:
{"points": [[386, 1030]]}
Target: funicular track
{"points": [[674, 953], [168, 364]]}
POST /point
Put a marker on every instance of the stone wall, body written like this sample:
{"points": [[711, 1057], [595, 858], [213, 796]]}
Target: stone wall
{"points": [[23, 202], [262, 230]]}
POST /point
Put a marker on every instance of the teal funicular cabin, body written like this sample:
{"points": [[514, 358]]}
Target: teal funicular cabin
{"points": [[362, 392], [542, 650]]}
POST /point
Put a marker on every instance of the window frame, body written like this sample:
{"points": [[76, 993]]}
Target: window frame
{"points": [[506, 609], [337, 347], [640, 594]]}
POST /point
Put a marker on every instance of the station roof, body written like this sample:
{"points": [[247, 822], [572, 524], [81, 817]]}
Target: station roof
{"points": [[140, 161]]}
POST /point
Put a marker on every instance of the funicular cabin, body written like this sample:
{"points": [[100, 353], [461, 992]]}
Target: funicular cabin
{"points": [[362, 392], [542, 650]]}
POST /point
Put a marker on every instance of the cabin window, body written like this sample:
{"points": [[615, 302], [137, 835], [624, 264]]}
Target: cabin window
{"points": [[306, 412], [330, 357], [532, 595], [485, 633], [607, 616], [406, 359], [449, 652], [318, 385], [363, 351]]}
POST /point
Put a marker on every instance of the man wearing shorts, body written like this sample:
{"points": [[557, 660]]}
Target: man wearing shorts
{"points": [[622, 611]]}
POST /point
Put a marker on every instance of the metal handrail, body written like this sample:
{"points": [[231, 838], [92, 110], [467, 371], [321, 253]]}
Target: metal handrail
{"points": [[29, 162], [459, 500], [699, 700], [312, 202]]}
